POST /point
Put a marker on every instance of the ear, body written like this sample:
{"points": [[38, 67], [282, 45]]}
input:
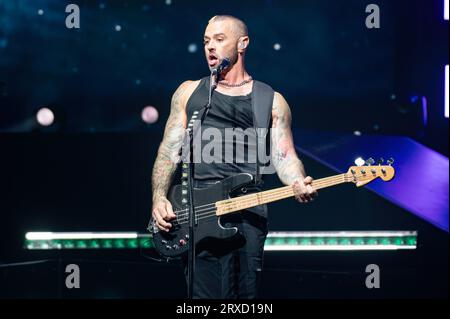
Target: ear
{"points": [[243, 43]]}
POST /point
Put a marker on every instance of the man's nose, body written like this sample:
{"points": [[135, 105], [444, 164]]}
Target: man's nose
{"points": [[210, 46]]}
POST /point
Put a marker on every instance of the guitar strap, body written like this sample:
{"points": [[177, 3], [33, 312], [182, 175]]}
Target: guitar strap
{"points": [[262, 100]]}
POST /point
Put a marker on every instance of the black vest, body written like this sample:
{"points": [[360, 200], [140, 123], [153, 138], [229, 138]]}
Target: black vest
{"points": [[229, 142]]}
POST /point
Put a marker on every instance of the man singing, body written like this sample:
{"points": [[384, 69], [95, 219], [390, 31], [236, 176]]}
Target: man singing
{"points": [[231, 269]]}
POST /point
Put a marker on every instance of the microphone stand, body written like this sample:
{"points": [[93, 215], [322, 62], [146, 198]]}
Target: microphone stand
{"points": [[214, 78]]}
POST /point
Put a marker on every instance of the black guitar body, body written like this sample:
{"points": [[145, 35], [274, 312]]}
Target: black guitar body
{"points": [[175, 242]]}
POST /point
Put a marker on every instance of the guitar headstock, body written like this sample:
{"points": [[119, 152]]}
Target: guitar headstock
{"points": [[362, 175]]}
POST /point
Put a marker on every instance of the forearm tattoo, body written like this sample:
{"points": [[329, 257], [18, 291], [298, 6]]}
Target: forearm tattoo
{"points": [[169, 150], [286, 162]]}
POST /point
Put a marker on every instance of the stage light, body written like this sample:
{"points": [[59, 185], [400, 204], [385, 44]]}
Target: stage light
{"points": [[277, 47], [192, 48], [359, 161], [357, 133], [275, 241], [446, 10], [149, 114], [40, 12], [45, 117], [446, 92], [168, 2], [118, 28], [82, 235]]}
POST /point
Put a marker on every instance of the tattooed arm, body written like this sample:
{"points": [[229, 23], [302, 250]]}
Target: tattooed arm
{"points": [[168, 156], [289, 167]]}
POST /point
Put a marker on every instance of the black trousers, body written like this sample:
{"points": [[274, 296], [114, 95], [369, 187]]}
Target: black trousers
{"points": [[231, 268]]}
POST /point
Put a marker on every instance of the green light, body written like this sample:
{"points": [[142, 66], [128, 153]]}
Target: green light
{"points": [[345, 241], [107, 243], [305, 241], [292, 241], [398, 241], [385, 241], [119, 243], [132, 243], [372, 241], [318, 241], [146, 243], [81, 244], [412, 241], [358, 241], [94, 244], [68, 244], [331, 241]]}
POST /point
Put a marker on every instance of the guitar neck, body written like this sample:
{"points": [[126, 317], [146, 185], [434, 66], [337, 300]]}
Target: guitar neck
{"points": [[247, 201]]}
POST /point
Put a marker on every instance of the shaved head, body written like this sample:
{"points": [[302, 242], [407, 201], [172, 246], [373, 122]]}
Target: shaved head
{"points": [[225, 37], [238, 26]]}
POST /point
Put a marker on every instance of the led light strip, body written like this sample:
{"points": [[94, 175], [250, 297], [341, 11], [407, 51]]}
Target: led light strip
{"points": [[446, 111], [343, 234], [276, 241], [335, 247], [83, 235]]}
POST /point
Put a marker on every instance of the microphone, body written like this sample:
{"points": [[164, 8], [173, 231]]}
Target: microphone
{"points": [[222, 66]]}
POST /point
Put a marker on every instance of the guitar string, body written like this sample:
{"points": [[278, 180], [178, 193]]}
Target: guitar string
{"points": [[213, 210], [197, 210], [267, 197], [282, 192], [241, 201]]}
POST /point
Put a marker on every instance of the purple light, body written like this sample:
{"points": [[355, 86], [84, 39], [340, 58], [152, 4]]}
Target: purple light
{"points": [[149, 114]]}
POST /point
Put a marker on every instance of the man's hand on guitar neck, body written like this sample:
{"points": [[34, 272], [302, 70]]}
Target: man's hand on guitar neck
{"points": [[303, 190], [162, 212]]}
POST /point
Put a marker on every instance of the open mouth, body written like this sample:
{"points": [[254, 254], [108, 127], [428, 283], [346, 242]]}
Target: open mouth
{"points": [[213, 60]]}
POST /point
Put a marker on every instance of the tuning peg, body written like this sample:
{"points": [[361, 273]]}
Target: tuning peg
{"points": [[380, 161], [370, 161], [390, 161]]}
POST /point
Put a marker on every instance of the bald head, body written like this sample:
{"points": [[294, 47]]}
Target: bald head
{"points": [[237, 26], [225, 37]]}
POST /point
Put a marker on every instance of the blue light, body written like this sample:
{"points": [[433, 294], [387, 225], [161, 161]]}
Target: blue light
{"points": [[425, 110]]}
